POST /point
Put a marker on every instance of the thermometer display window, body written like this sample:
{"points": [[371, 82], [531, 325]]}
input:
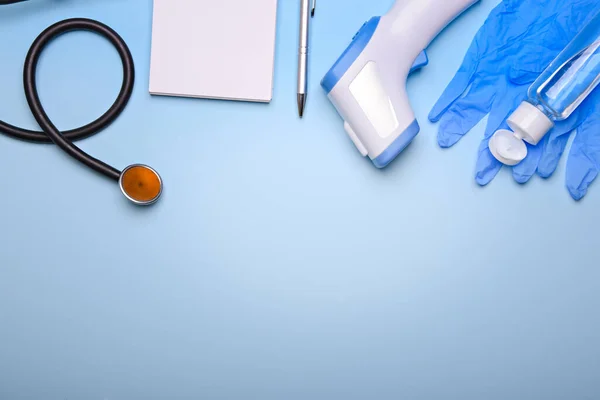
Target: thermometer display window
{"points": [[368, 91]]}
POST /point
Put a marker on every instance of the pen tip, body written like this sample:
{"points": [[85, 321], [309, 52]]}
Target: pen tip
{"points": [[301, 104]]}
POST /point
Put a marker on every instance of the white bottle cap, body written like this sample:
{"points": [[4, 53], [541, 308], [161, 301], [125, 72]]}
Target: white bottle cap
{"points": [[530, 123], [507, 148]]}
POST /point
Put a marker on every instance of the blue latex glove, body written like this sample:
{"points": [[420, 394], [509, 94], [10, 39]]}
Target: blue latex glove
{"points": [[583, 164], [517, 42]]}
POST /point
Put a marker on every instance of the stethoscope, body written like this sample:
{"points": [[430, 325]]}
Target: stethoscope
{"points": [[139, 183]]}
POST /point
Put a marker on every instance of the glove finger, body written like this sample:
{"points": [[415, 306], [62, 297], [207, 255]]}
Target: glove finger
{"points": [[555, 146], [523, 171], [459, 84], [487, 166], [465, 113], [584, 158]]}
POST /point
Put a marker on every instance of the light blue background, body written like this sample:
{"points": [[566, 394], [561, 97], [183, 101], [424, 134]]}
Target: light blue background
{"points": [[279, 264]]}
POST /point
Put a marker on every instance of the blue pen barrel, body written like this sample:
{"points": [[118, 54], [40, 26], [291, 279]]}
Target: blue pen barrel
{"points": [[571, 77]]}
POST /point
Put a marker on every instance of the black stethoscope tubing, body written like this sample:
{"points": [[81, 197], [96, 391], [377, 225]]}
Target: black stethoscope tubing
{"points": [[49, 132]]}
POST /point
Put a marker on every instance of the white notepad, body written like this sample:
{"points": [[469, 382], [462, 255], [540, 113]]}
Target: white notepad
{"points": [[220, 49]]}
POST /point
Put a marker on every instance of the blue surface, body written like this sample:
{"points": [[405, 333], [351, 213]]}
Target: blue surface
{"points": [[279, 264], [397, 146]]}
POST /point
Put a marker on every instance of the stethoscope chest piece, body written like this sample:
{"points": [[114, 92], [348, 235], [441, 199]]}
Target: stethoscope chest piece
{"points": [[141, 184]]}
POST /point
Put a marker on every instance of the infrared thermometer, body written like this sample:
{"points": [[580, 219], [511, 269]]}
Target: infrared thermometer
{"points": [[367, 84]]}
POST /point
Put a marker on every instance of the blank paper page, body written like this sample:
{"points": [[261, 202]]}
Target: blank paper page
{"points": [[221, 49]]}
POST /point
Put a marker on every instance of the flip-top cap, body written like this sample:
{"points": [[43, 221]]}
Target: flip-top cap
{"points": [[530, 123], [507, 148]]}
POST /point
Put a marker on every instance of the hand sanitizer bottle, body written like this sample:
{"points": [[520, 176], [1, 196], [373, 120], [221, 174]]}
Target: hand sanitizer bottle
{"points": [[554, 96]]}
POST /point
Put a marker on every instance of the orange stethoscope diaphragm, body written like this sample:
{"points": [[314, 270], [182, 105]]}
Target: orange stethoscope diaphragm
{"points": [[141, 184]]}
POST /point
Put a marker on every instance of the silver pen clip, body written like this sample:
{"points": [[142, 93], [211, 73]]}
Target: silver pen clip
{"points": [[314, 7]]}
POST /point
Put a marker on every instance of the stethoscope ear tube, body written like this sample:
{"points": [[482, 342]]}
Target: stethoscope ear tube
{"points": [[65, 140], [31, 93]]}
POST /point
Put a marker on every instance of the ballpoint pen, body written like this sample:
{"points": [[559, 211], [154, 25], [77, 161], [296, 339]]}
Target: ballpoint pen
{"points": [[305, 14]]}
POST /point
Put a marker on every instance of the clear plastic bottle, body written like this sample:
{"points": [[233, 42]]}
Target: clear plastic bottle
{"points": [[554, 96]]}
